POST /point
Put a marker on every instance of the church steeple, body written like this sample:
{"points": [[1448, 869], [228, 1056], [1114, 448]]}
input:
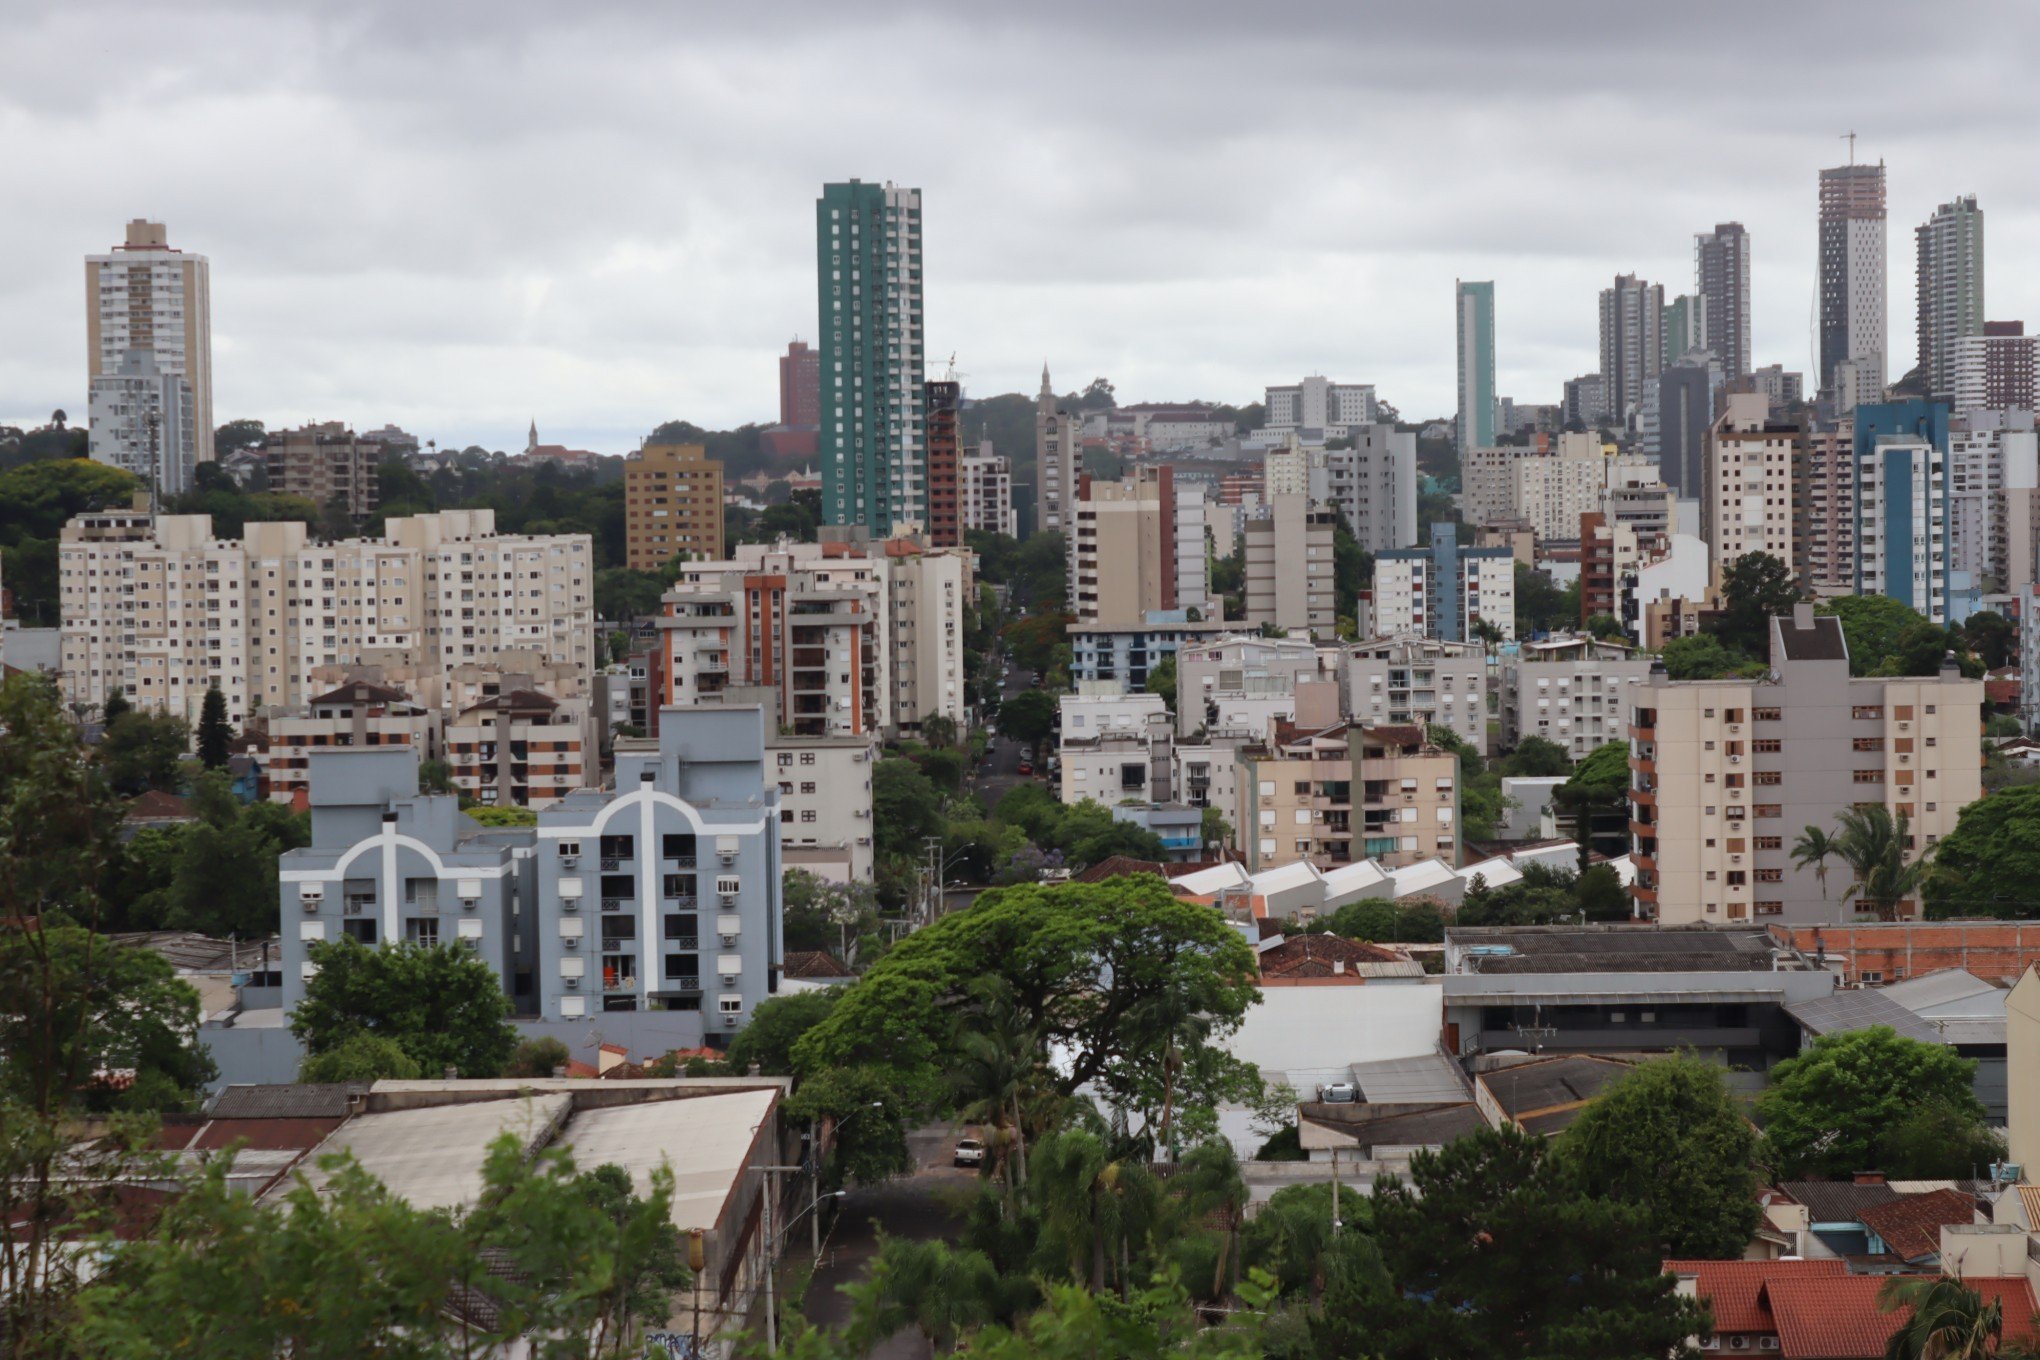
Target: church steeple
{"points": [[1046, 390], [531, 444]]}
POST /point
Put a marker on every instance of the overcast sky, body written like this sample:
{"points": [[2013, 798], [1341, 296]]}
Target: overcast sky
{"points": [[464, 216]]}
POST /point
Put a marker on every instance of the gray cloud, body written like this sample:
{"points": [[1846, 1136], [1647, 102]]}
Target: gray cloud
{"points": [[463, 216]]}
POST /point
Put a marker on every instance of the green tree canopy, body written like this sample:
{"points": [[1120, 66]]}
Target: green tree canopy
{"points": [[364, 1057], [1541, 606], [1535, 758], [1755, 588], [1113, 974], [440, 1003], [1028, 716], [1495, 1251], [1703, 657], [1669, 1139], [776, 1026], [905, 806], [1826, 1110], [144, 750], [215, 734], [1985, 866]]}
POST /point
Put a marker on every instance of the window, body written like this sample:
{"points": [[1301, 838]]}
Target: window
{"points": [[1867, 744], [1768, 777], [422, 930], [1875, 711], [1770, 842], [1767, 714], [807, 814], [1767, 746], [1867, 776]]}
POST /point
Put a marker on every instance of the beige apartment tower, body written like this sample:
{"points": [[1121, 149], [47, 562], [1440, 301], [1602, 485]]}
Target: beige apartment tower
{"points": [[148, 322], [1726, 774], [1289, 576], [1747, 505], [673, 505], [1343, 793]]}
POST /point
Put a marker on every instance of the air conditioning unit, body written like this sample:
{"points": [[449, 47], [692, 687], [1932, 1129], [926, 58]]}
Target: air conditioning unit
{"points": [[570, 942], [728, 857], [570, 904], [864, 840], [729, 942], [571, 984], [730, 1020], [312, 904], [729, 979], [570, 861]]}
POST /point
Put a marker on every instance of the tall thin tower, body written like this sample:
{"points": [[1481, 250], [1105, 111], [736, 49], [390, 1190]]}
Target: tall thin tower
{"points": [[1478, 407], [1950, 289], [1853, 303], [1722, 276], [148, 324]]}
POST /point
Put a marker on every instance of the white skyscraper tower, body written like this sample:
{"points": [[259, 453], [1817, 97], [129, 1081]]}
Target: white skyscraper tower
{"points": [[1853, 309], [148, 319], [1950, 289]]}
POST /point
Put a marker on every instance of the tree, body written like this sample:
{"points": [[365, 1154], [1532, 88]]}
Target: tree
{"points": [[905, 806], [1161, 679], [1595, 800], [503, 816], [143, 751], [1702, 657], [1875, 847], [1381, 921], [1541, 605], [1028, 717], [440, 1003], [776, 1026], [537, 1057], [1826, 1109], [1606, 626], [91, 1025], [364, 1057], [1755, 588], [1949, 1320], [1495, 1251], [1992, 637], [1815, 847], [1936, 1142], [214, 734], [1669, 1139], [236, 435], [1535, 758], [1112, 975], [1985, 865], [115, 705]]}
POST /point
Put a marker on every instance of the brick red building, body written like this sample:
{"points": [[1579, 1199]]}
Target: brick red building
{"points": [[945, 518], [1891, 951]]}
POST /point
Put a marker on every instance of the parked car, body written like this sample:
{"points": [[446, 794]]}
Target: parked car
{"points": [[1026, 765], [969, 1152], [1337, 1093]]}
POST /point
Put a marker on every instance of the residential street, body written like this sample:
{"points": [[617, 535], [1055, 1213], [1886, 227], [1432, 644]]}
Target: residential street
{"points": [[1003, 775], [916, 1206]]}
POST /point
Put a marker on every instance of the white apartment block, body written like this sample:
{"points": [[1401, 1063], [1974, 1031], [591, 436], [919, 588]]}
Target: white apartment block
{"points": [[1236, 683], [1902, 524], [985, 492], [1445, 590], [930, 590], [1374, 485], [1317, 403], [161, 610], [1208, 775], [1748, 505], [1487, 482], [1414, 679], [1570, 691], [1289, 577], [1552, 493], [825, 823], [1293, 468], [1115, 747], [1987, 452], [144, 298]]}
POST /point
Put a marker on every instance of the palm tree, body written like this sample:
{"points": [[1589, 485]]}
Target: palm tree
{"points": [[1873, 844], [1000, 1056], [1814, 847], [1209, 1186], [1950, 1321]]}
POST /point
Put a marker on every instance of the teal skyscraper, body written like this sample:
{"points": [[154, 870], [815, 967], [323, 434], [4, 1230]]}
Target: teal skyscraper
{"points": [[1478, 405], [873, 445]]}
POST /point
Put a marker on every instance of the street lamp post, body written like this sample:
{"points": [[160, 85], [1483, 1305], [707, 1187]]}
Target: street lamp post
{"points": [[770, 1241]]}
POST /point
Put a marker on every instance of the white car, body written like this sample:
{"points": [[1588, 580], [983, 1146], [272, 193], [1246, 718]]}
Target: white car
{"points": [[970, 1152]]}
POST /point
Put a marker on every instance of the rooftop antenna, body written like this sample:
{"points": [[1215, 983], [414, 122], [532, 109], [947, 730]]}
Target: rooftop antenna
{"points": [[1850, 138]]}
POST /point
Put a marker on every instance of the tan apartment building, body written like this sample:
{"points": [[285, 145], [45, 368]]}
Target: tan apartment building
{"points": [[1825, 497], [672, 505], [522, 749], [357, 713], [148, 320], [929, 590], [1139, 547], [1726, 774], [162, 610], [1289, 567], [1336, 794], [324, 464], [1747, 505]]}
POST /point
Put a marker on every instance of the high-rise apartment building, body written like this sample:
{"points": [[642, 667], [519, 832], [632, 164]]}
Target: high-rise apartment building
{"points": [[842, 638], [1318, 403], [159, 609], [1289, 577], [1727, 773], [1632, 340], [1722, 275], [1748, 503], [1474, 304], [795, 436], [1994, 371], [672, 506], [326, 464], [1408, 679], [1587, 400], [1950, 286], [1139, 548], [1374, 485], [1685, 328], [1824, 530], [985, 492], [1901, 522], [1779, 387], [868, 271], [1445, 591], [144, 297], [1058, 448], [1686, 393], [1852, 283], [522, 748], [1552, 492], [942, 403]]}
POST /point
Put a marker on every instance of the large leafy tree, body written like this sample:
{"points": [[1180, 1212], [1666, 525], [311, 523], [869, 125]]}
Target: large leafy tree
{"points": [[1755, 588], [1595, 800], [1826, 1110], [1496, 1251], [144, 750], [1702, 657], [904, 806], [440, 1003], [1114, 975], [776, 1026], [215, 734], [1670, 1139], [1984, 866], [1028, 716]]}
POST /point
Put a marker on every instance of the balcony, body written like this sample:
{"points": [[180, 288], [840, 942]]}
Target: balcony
{"points": [[618, 982], [1643, 765], [684, 984], [611, 863], [680, 861], [618, 903]]}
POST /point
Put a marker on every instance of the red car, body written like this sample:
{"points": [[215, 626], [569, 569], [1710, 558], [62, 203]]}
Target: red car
{"points": [[1027, 767]]}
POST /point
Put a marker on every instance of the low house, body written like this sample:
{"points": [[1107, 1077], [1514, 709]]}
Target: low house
{"points": [[1320, 960], [1816, 1310]]}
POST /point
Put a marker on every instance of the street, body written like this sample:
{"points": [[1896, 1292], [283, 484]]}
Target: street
{"points": [[1002, 775], [917, 1206]]}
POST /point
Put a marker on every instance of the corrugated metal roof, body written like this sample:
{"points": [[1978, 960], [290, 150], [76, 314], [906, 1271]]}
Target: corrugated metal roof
{"points": [[1409, 1081], [1472, 988], [1942, 992], [1844, 1011]]}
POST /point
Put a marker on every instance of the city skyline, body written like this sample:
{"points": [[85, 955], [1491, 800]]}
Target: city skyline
{"points": [[482, 277]]}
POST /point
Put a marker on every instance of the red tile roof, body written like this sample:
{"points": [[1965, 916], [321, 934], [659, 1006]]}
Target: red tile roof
{"points": [[158, 806], [813, 963], [1838, 1318], [1316, 955], [1734, 1289], [1911, 1224]]}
